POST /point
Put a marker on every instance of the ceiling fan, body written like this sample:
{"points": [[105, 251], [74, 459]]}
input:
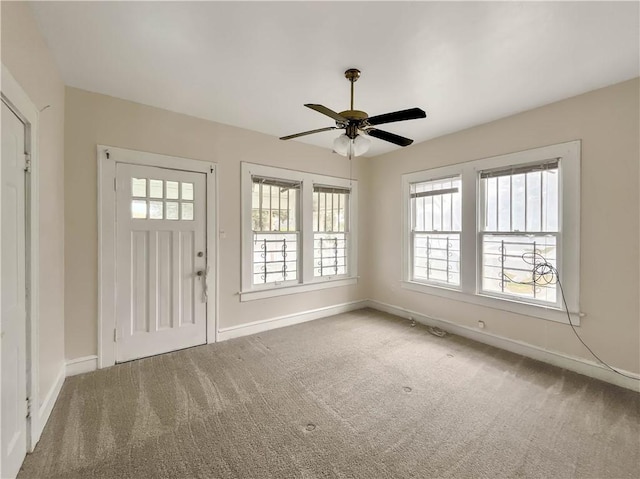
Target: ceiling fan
{"points": [[357, 123]]}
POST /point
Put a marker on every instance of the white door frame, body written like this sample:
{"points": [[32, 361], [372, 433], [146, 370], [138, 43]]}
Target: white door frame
{"points": [[19, 102], [107, 157]]}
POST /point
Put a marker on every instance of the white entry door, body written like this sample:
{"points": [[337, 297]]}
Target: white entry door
{"points": [[161, 267], [14, 311]]}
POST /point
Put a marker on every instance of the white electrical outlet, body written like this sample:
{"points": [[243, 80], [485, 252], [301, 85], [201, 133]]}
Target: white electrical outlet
{"points": [[481, 324]]}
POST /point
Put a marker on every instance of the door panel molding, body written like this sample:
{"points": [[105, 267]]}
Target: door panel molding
{"points": [[107, 158], [19, 102]]}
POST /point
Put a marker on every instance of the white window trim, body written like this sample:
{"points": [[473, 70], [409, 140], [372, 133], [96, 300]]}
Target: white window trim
{"points": [[307, 281], [568, 238]]}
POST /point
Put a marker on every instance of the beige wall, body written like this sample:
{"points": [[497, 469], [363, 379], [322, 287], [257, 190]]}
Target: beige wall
{"points": [[93, 119], [27, 57], [607, 122]]}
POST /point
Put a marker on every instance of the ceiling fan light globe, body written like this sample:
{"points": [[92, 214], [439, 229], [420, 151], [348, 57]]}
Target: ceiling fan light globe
{"points": [[342, 144], [360, 145]]}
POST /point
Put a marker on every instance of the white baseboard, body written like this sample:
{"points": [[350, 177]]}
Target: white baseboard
{"points": [[85, 364], [578, 365], [44, 411], [291, 319]]}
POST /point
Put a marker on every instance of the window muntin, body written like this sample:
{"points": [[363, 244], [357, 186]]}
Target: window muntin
{"points": [[436, 223], [520, 210], [330, 230], [150, 200], [274, 210]]}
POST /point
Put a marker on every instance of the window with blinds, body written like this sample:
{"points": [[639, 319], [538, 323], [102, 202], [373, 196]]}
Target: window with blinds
{"points": [[436, 225], [330, 230], [275, 225], [519, 229]]}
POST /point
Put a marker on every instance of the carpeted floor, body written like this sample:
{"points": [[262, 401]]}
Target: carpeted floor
{"points": [[359, 395]]}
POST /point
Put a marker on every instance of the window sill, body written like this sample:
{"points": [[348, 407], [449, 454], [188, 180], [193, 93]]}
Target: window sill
{"points": [[298, 288], [525, 309]]}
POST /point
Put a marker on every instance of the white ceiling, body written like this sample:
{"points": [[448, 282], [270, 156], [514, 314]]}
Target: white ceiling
{"points": [[254, 65]]}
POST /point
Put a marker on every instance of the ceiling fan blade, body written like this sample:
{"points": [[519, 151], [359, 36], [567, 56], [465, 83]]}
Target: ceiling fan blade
{"points": [[326, 111], [310, 132], [390, 137], [402, 115]]}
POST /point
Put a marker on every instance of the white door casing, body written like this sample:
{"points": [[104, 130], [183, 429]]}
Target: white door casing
{"points": [[14, 438], [161, 267]]}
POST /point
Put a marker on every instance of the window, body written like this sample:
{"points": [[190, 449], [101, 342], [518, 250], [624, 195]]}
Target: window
{"points": [[479, 231], [519, 209], [435, 230], [330, 229], [274, 207], [298, 231]]}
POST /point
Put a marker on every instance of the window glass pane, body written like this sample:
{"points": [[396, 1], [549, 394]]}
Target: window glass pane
{"points": [[172, 190], [330, 210], [550, 200], [187, 211], [519, 203], [504, 203], [447, 212], [187, 191], [138, 187], [491, 208], [275, 258], [437, 213], [436, 205], [155, 210], [273, 207], [138, 209], [456, 221], [172, 210], [511, 266], [534, 201], [527, 201], [436, 257], [155, 188], [329, 254]]}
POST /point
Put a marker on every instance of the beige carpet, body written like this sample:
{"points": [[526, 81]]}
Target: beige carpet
{"points": [[360, 395]]}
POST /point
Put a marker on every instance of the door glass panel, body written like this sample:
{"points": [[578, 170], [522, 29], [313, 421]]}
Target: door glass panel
{"points": [[172, 190], [187, 191], [138, 187], [187, 211], [138, 209], [172, 210], [155, 188], [155, 210]]}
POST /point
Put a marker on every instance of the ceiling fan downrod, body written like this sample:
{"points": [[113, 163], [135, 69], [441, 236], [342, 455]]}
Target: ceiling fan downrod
{"points": [[352, 74]]}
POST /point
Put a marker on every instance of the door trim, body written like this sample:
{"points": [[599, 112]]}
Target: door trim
{"points": [[19, 102], [107, 157]]}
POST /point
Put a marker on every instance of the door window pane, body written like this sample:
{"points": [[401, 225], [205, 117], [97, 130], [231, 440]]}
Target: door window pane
{"points": [[155, 210], [187, 211], [187, 191], [172, 190], [155, 188], [172, 210], [139, 187], [138, 209]]}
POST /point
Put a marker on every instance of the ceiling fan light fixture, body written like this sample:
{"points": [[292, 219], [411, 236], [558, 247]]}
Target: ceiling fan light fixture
{"points": [[345, 146], [360, 145], [341, 145]]}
